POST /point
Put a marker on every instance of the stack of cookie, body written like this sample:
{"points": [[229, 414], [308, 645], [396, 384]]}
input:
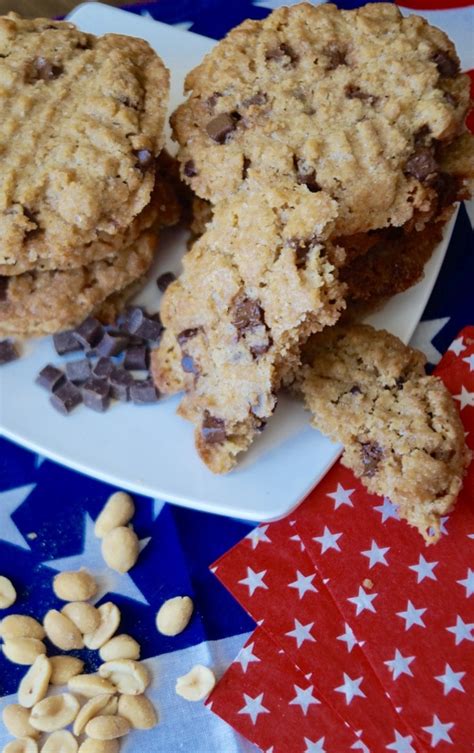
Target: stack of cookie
{"points": [[81, 193], [331, 146]]}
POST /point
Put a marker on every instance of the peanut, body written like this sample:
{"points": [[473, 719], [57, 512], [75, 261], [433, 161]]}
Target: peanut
{"points": [[85, 617], [138, 710], [17, 721], [34, 684], [99, 746], [74, 585], [129, 677], [107, 727], [21, 626], [109, 622], [63, 668], [7, 592], [121, 647], [55, 712], [100, 704], [61, 631], [118, 511], [174, 615], [197, 684], [91, 685], [120, 549], [60, 742], [23, 650], [22, 745]]}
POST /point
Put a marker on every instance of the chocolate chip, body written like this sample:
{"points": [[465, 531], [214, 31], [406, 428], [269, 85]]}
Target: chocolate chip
{"points": [[96, 394], [451, 99], [355, 92], [187, 334], [213, 429], [422, 136], [190, 169], [66, 398], [220, 127], [246, 314], [120, 382], [256, 99], [245, 167], [421, 164], [4, 282], [355, 390], [112, 343], [50, 378], [149, 327], [145, 159], [446, 65], [65, 342], [280, 52], [42, 69], [103, 368], [8, 352], [302, 247], [372, 454], [78, 371], [335, 56], [89, 333], [143, 392], [165, 280], [188, 365], [137, 358], [212, 100]]}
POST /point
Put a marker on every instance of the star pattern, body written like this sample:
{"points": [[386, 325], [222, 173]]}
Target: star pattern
{"points": [[301, 633], [363, 601], [439, 731], [304, 698], [451, 680], [303, 583], [246, 656], [470, 362], [328, 540], [348, 637], [465, 398], [376, 554], [316, 746], [457, 346], [10, 501], [412, 616], [253, 707], [424, 569], [350, 688], [400, 665], [387, 510], [462, 631], [258, 535], [468, 582], [254, 580], [402, 744], [341, 496]]}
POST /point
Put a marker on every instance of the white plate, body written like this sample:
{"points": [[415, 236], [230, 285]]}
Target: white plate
{"points": [[149, 449]]}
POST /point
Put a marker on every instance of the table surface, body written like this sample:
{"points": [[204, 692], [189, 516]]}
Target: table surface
{"points": [[48, 8]]}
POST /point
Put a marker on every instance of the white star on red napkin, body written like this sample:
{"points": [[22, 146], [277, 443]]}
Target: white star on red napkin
{"points": [[400, 665], [350, 688], [376, 554], [258, 535], [451, 680], [439, 731], [246, 657], [387, 510], [328, 540], [348, 637], [457, 346], [301, 633], [465, 398], [341, 496], [402, 744], [315, 747], [253, 580], [363, 601], [304, 698], [468, 582], [253, 707], [462, 631], [303, 583], [412, 616], [424, 569]]}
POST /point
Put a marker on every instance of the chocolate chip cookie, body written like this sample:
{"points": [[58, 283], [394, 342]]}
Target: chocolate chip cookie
{"points": [[81, 125], [259, 281], [401, 430], [359, 104]]}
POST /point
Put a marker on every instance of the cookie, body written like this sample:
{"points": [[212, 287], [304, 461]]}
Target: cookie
{"points": [[39, 303], [401, 429], [259, 281], [81, 125], [359, 104]]}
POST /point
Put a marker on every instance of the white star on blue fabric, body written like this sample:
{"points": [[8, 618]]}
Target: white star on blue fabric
{"points": [[315, 747], [439, 731], [451, 680], [341, 496], [246, 657], [350, 688], [470, 362], [462, 631], [303, 583], [376, 554], [257, 535], [401, 744], [400, 665], [424, 569], [253, 707], [348, 637], [457, 346], [328, 540], [412, 616], [254, 580], [301, 633], [304, 698], [10, 501], [363, 601], [108, 580], [425, 334], [468, 582], [387, 510], [158, 505], [465, 398]]}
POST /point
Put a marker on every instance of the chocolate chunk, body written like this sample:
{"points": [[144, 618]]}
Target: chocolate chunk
{"points": [[190, 169], [256, 99], [355, 92], [245, 167], [139, 323], [188, 365], [302, 248], [446, 65], [78, 371], [212, 100], [8, 352], [213, 429], [66, 398], [220, 127], [372, 454], [42, 69], [335, 56], [137, 358], [145, 159], [4, 282], [355, 390], [103, 368], [112, 343], [89, 333], [96, 394], [65, 342], [246, 314], [165, 280], [186, 335], [50, 378], [421, 164], [143, 392], [120, 382], [280, 52], [422, 137]]}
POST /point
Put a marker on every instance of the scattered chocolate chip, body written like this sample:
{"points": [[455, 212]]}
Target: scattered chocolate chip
{"points": [[372, 454], [260, 350], [89, 333], [187, 334], [421, 164], [260, 98], [96, 394], [246, 314], [165, 280], [112, 343], [281, 51], [188, 365], [190, 169], [78, 371], [335, 56], [143, 392], [213, 429], [65, 342], [66, 398], [41, 69], [103, 368], [245, 167], [4, 282], [50, 378], [120, 382], [220, 127], [137, 358], [145, 159], [302, 248], [8, 352], [149, 327], [446, 65], [355, 92], [212, 100], [355, 390]]}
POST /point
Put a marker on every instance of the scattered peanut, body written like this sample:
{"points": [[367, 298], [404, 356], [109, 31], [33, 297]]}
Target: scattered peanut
{"points": [[85, 617], [99, 746], [91, 685], [107, 727], [74, 585], [22, 745], [60, 742], [21, 626], [17, 721], [174, 615], [197, 684], [109, 622], [138, 710], [55, 712], [61, 631], [34, 684], [7, 592], [121, 647], [128, 676], [63, 668], [120, 549], [118, 511], [23, 650], [100, 704]]}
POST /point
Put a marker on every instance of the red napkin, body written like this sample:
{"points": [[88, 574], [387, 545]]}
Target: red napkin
{"points": [[315, 579]]}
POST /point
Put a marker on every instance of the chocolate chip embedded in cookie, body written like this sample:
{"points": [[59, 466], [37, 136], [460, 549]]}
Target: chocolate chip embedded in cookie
{"points": [[401, 430], [331, 100]]}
